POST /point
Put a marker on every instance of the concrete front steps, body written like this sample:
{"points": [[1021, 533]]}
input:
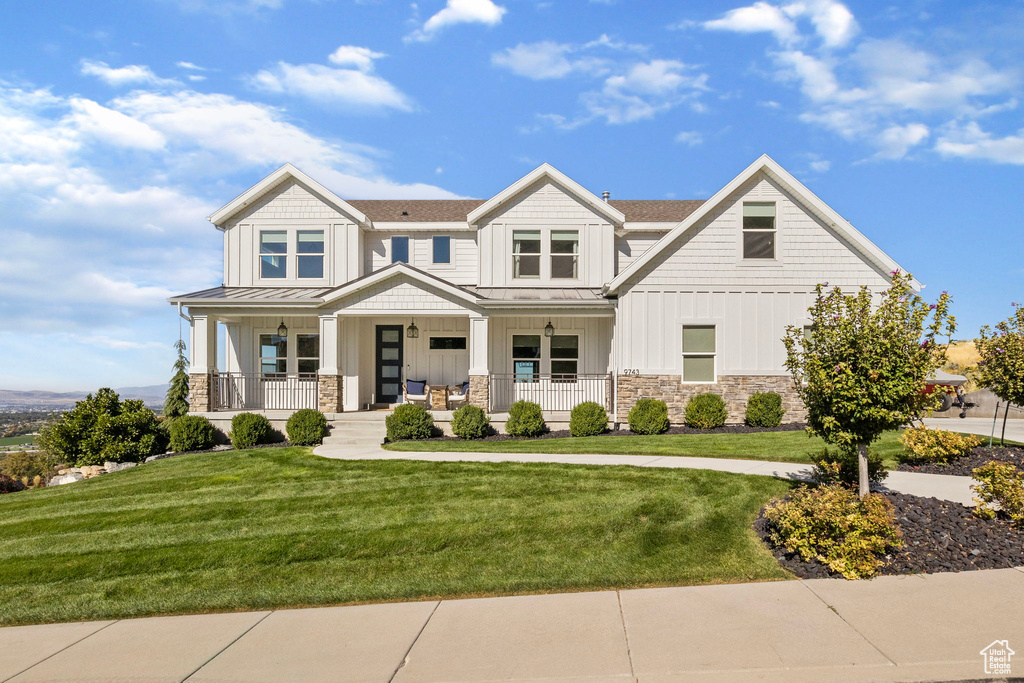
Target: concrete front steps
{"points": [[357, 430]]}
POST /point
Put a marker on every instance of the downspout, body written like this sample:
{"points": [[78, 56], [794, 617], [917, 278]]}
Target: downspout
{"points": [[186, 317]]}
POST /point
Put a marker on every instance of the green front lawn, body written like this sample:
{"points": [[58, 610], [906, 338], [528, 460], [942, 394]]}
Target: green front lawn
{"points": [[272, 528], [16, 440], [777, 446]]}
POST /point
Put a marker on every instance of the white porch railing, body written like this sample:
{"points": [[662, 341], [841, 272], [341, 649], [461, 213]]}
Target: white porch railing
{"points": [[257, 391], [551, 392]]}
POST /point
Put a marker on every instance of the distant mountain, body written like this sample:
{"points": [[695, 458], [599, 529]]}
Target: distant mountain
{"points": [[153, 396]]}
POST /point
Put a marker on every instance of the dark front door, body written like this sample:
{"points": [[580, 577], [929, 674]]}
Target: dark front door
{"points": [[389, 363]]}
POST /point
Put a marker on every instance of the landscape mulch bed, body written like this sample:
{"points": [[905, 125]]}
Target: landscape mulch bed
{"points": [[675, 429], [976, 458], [938, 536]]}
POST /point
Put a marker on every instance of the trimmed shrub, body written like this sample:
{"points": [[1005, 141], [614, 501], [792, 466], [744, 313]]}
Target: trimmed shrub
{"points": [[191, 433], [9, 485], [1000, 487], [832, 525], [306, 427], [22, 465], [102, 427], [588, 419], [648, 416], [470, 422], [837, 466], [525, 418], [410, 421], [764, 409], [937, 446], [705, 411], [249, 429]]}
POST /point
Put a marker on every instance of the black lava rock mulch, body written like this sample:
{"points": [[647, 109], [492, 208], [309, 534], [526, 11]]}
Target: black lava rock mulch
{"points": [[676, 429], [976, 458], [938, 536]]}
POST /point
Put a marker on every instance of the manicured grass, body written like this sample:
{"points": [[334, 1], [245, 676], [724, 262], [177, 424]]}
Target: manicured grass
{"points": [[16, 440], [280, 527], [777, 446]]}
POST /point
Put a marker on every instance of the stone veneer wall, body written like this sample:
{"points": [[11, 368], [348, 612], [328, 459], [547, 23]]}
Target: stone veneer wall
{"points": [[734, 389], [200, 398], [329, 393], [480, 391]]}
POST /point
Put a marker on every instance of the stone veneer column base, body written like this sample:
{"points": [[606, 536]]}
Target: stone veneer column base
{"points": [[480, 391], [200, 394], [329, 393], [734, 389]]}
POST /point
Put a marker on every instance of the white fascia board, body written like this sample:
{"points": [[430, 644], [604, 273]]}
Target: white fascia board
{"points": [[763, 163], [394, 271], [409, 226], [271, 181], [246, 303], [547, 171], [648, 226]]}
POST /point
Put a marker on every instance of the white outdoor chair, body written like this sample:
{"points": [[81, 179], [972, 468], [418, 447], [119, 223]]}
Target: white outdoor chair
{"points": [[420, 392], [458, 395]]}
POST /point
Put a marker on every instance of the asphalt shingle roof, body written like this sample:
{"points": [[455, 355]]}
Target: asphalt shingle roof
{"points": [[456, 210]]}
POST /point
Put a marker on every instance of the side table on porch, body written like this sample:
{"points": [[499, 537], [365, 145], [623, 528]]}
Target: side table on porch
{"points": [[439, 397]]}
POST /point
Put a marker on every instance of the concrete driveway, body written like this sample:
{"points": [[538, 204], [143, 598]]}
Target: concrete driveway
{"points": [[981, 426]]}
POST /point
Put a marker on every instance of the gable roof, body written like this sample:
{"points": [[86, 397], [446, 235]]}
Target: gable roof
{"points": [[549, 172], [416, 210], [656, 210], [270, 182], [771, 168], [394, 270]]}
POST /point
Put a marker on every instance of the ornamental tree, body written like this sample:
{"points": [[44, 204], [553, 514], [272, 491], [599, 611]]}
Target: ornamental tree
{"points": [[1001, 367], [863, 368], [176, 401]]}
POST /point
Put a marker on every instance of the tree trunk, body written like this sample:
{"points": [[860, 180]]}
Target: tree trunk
{"points": [[862, 470]]}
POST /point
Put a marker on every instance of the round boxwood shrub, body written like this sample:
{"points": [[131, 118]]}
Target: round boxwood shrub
{"points": [[470, 422], [648, 416], [764, 409], [249, 429], [705, 411], [306, 427], [191, 433], [525, 418], [409, 421], [588, 419]]}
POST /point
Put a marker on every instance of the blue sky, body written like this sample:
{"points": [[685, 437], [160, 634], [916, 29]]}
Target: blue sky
{"points": [[123, 125]]}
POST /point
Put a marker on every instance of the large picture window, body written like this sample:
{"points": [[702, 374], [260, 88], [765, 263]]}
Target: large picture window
{"points": [[273, 355], [699, 352], [526, 253], [565, 247], [273, 254], [565, 357], [526, 357], [311, 253], [759, 230]]}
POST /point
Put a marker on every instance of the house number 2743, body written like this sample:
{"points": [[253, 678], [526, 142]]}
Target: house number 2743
{"points": [[631, 371]]}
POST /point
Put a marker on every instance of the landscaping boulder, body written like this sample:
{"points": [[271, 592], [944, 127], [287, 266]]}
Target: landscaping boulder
{"points": [[69, 478], [118, 466]]}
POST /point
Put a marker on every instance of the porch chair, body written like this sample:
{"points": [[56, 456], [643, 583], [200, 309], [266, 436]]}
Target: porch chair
{"points": [[458, 394], [416, 392]]}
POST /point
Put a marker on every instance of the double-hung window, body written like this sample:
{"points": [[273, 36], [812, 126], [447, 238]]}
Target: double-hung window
{"points": [[400, 249], [273, 355], [565, 357], [526, 357], [565, 254], [526, 253], [311, 253], [307, 349], [759, 230], [699, 352], [273, 253], [441, 246]]}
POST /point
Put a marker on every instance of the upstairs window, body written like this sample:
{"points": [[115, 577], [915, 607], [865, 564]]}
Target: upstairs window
{"points": [[699, 351], [442, 248], [273, 253], [311, 253], [399, 249], [526, 253], [759, 230], [565, 248]]}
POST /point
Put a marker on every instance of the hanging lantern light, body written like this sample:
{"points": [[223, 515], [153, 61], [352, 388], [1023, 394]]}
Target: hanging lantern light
{"points": [[282, 330], [549, 330], [412, 332]]}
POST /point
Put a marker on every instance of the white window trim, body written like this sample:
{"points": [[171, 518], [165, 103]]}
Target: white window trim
{"points": [[450, 265], [410, 247], [545, 348], [759, 262], [577, 254], [700, 322], [291, 358], [292, 256], [545, 254], [259, 254], [322, 255]]}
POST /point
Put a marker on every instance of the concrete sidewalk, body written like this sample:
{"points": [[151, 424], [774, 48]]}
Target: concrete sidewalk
{"points": [[911, 628], [982, 426]]}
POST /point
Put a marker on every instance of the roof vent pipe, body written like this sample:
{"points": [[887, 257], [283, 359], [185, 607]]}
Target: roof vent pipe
{"points": [[606, 195]]}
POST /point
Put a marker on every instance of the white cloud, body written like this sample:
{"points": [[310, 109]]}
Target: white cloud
{"points": [[761, 17], [133, 74], [190, 66], [832, 22], [894, 142], [350, 88], [643, 91], [538, 61], [969, 141], [820, 165], [361, 58], [459, 12], [111, 126], [690, 138]]}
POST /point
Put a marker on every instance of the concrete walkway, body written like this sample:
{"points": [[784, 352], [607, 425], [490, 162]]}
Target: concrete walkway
{"points": [[981, 426], [910, 628]]}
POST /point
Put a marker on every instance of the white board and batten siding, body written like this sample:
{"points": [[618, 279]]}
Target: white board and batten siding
{"points": [[703, 279], [545, 206], [464, 259], [291, 207]]}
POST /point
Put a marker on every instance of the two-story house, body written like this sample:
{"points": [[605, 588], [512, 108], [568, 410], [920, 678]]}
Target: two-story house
{"points": [[545, 291]]}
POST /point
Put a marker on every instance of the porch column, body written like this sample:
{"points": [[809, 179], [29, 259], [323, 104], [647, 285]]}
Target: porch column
{"points": [[204, 363], [479, 371], [233, 348], [349, 339], [329, 389]]}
